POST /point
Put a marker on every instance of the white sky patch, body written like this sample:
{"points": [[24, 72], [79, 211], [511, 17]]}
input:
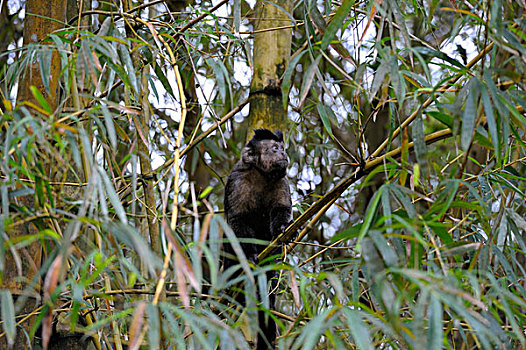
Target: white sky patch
{"points": [[223, 11], [464, 39], [242, 72], [14, 6], [206, 92], [157, 160]]}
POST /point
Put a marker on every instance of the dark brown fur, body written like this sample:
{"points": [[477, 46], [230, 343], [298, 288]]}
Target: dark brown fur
{"points": [[257, 195], [258, 204]]}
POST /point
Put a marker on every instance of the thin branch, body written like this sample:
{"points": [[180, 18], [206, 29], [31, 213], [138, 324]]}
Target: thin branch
{"points": [[409, 119], [330, 197]]}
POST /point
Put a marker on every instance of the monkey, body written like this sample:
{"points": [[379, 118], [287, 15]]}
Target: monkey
{"points": [[258, 205], [257, 196]]}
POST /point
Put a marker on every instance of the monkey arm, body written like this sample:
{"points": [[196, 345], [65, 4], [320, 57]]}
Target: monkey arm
{"points": [[280, 217], [281, 212]]}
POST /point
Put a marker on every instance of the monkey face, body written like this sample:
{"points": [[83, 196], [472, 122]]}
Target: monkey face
{"points": [[272, 158], [266, 153]]}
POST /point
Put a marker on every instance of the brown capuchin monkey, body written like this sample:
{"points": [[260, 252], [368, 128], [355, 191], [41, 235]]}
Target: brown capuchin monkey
{"points": [[258, 206]]}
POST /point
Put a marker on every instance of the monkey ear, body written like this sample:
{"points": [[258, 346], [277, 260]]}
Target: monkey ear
{"points": [[248, 155], [279, 135]]}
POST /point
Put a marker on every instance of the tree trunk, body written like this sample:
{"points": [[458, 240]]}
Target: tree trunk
{"points": [[271, 54], [272, 46], [35, 29], [24, 284]]}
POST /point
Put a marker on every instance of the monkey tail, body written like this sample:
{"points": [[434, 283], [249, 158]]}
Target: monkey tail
{"points": [[268, 328], [267, 334]]}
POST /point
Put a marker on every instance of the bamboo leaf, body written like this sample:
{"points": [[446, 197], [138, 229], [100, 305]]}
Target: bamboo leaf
{"points": [[435, 330], [237, 15], [469, 116], [114, 198], [232, 239], [336, 23], [419, 141], [358, 328], [128, 65], [492, 125], [45, 67], [41, 100], [369, 216], [397, 80], [311, 332], [308, 78], [162, 77], [223, 79], [386, 251], [286, 81], [136, 326], [110, 129], [8, 316], [379, 78], [441, 55], [326, 115], [154, 327]]}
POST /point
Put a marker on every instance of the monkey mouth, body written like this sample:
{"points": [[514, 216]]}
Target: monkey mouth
{"points": [[282, 163], [278, 171]]}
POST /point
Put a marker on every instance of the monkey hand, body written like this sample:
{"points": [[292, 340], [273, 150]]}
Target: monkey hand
{"points": [[281, 229]]}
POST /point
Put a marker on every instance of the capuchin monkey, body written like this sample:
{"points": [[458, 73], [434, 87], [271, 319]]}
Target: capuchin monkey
{"points": [[258, 206]]}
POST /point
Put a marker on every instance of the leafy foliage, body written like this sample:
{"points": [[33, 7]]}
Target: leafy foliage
{"points": [[407, 141]]}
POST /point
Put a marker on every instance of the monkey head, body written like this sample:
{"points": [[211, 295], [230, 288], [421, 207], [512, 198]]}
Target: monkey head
{"points": [[266, 153]]}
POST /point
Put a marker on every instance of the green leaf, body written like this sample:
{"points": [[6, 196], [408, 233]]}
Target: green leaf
{"points": [[336, 22], [222, 76], [45, 67], [112, 194], [154, 326], [397, 80], [492, 125], [133, 239], [312, 331], [308, 79], [174, 327], [470, 115], [399, 192], [379, 77], [39, 190], [372, 209], [40, 99], [450, 191], [350, 232], [386, 207], [326, 115], [110, 129], [426, 51], [435, 330], [419, 141], [236, 246], [237, 15], [358, 328], [8, 315], [441, 231], [386, 251], [128, 64], [514, 42], [63, 59], [445, 118], [286, 82], [160, 75]]}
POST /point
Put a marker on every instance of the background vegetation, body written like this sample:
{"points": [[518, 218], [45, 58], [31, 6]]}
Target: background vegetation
{"points": [[405, 127]]}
